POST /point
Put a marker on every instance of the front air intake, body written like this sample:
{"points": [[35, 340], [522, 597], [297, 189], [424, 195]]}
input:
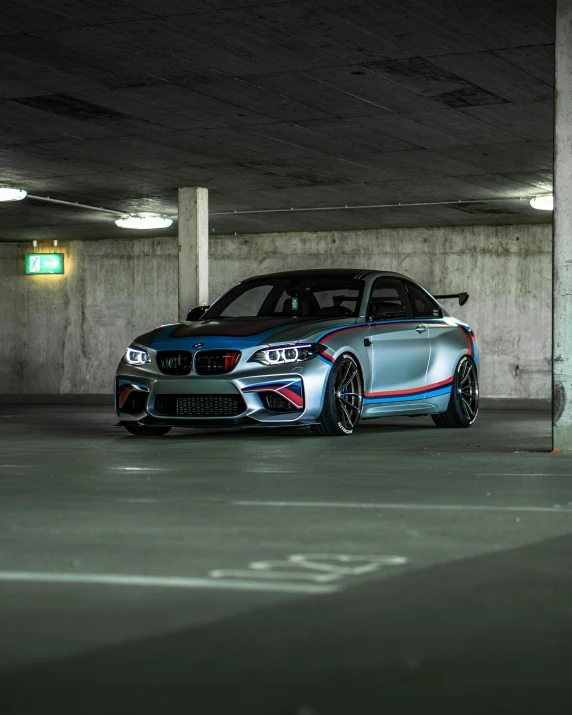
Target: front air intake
{"points": [[175, 362], [276, 403], [216, 362], [136, 402], [199, 405]]}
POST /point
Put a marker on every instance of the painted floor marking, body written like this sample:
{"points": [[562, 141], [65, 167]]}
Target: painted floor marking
{"points": [[516, 474], [138, 469], [412, 507], [163, 582], [318, 568], [272, 575]]}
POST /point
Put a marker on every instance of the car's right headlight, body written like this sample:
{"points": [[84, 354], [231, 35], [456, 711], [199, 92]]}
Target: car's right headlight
{"points": [[282, 354], [136, 356]]}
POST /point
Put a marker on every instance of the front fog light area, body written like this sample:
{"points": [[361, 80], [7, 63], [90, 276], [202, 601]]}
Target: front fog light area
{"points": [[136, 356], [274, 402], [283, 354]]}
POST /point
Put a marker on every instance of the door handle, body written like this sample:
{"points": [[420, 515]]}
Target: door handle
{"points": [[421, 328]]}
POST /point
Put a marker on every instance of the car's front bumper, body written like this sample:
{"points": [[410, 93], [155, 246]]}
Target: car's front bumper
{"points": [[141, 395]]}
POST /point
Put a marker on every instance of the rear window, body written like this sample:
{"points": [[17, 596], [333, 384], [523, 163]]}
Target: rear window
{"points": [[423, 306]]}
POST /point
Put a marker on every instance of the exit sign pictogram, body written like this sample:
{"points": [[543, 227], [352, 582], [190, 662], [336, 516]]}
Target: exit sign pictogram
{"points": [[42, 263]]}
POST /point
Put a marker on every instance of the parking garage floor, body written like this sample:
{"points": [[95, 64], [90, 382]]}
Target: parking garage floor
{"points": [[272, 572]]}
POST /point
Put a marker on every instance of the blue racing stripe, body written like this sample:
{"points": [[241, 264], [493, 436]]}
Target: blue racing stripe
{"points": [[164, 341], [405, 398], [356, 326], [440, 391], [408, 398]]}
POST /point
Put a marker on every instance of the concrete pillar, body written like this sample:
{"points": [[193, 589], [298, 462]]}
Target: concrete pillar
{"points": [[562, 241], [193, 248]]}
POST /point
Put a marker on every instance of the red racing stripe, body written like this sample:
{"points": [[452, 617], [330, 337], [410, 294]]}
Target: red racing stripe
{"points": [[123, 395], [288, 394], [292, 396], [382, 325], [468, 339], [399, 393]]}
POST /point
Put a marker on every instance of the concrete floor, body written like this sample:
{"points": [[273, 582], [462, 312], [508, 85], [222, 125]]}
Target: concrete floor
{"points": [[401, 570]]}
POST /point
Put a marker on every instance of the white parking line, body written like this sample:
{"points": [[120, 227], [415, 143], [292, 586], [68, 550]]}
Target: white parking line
{"points": [[404, 507], [162, 582], [515, 474], [138, 469], [272, 575]]}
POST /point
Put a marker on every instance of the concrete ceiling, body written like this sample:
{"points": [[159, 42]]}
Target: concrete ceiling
{"points": [[287, 103]]}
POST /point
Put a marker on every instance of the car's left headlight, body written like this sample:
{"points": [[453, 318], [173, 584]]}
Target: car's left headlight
{"points": [[136, 356], [282, 354]]}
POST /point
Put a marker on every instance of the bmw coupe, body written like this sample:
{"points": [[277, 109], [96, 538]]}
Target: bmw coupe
{"points": [[316, 348]]}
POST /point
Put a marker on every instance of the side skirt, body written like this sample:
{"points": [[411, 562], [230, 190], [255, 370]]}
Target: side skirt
{"points": [[428, 406]]}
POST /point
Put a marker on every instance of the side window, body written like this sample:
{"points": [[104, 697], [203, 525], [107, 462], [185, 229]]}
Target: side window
{"points": [[337, 302], [388, 299], [423, 306]]}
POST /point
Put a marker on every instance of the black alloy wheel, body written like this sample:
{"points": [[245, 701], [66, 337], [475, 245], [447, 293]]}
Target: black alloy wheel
{"points": [[343, 399], [464, 401], [146, 430]]}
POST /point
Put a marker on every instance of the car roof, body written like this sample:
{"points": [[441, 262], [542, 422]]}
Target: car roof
{"points": [[325, 272]]}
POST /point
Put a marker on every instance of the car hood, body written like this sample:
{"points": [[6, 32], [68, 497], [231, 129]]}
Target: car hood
{"points": [[237, 333]]}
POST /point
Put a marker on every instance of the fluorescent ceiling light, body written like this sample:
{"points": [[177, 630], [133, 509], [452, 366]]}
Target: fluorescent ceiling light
{"points": [[8, 193], [144, 221], [543, 203]]}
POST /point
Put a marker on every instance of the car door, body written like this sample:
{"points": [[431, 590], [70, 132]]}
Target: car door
{"points": [[399, 349], [446, 339]]}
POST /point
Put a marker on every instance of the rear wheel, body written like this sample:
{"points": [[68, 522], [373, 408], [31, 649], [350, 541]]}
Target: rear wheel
{"points": [[146, 430], [343, 399], [464, 401]]}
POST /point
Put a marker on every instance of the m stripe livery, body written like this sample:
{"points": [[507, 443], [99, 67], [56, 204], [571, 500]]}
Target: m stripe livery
{"points": [[418, 393], [292, 390]]}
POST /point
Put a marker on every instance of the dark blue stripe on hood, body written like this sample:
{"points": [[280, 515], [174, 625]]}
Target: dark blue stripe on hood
{"points": [[237, 335]]}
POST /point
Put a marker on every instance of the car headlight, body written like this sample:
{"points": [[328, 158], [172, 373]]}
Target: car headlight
{"points": [[282, 354], [136, 356]]}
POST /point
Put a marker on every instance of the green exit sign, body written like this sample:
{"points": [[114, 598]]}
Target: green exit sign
{"points": [[42, 263]]}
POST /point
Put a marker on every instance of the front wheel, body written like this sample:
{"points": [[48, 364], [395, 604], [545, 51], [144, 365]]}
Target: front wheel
{"points": [[146, 430], [342, 401], [464, 401]]}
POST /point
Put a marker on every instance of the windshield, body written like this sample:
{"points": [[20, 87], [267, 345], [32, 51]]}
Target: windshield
{"points": [[291, 296]]}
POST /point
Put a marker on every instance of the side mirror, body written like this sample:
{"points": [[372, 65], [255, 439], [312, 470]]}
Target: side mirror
{"points": [[197, 313]]}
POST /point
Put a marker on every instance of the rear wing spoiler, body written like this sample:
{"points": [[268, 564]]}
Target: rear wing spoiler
{"points": [[461, 297]]}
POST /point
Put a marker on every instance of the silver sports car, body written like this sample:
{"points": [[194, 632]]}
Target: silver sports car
{"points": [[320, 348]]}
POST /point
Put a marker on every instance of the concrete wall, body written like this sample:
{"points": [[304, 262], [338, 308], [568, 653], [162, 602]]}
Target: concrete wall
{"points": [[65, 334]]}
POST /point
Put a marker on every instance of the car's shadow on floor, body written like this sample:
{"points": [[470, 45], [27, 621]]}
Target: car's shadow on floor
{"points": [[382, 427], [378, 427], [293, 432]]}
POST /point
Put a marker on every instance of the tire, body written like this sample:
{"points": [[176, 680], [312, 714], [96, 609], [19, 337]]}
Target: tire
{"points": [[146, 430], [343, 399], [464, 401]]}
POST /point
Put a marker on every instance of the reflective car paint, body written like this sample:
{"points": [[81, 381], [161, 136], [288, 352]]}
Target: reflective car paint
{"points": [[407, 364]]}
